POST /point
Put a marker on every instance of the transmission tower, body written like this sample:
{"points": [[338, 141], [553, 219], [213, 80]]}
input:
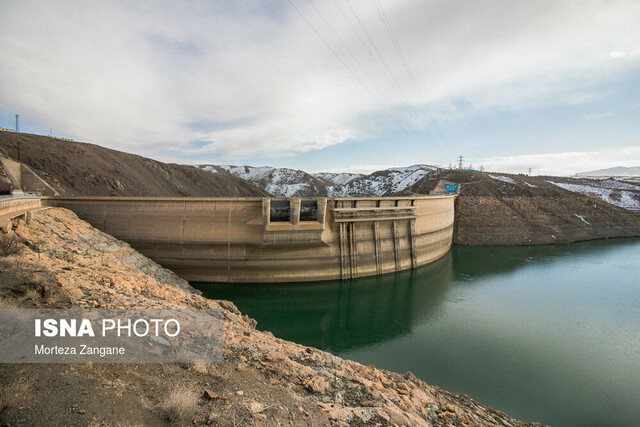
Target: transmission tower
{"points": [[460, 159], [17, 123]]}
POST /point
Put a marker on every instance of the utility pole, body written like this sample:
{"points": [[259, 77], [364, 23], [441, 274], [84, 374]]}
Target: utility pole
{"points": [[18, 139], [529, 171], [460, 159]]}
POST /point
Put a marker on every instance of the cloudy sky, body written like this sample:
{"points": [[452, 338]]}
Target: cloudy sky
{"points": [[332, 84]]}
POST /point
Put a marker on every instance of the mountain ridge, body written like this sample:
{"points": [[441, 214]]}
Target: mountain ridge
{"points": [[614, 171], [286, 182], [85, 169]]}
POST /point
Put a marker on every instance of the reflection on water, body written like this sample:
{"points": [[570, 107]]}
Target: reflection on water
{"points": [[343, 315], [545, 333]]}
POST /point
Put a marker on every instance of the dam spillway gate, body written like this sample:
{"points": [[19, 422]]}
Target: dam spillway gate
{"points": [[275, 239]]}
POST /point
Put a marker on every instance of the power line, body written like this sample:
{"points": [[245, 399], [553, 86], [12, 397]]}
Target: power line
{"points": [[371, 55], [403, 58], [342, 61], [363, 69], [396, 46], [387, 68]]}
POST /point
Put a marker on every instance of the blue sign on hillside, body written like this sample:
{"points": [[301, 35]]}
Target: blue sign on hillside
{"points": [[451, 188]]}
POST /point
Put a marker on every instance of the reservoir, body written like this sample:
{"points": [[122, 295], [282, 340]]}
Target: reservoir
{"points": [[544, 333]]}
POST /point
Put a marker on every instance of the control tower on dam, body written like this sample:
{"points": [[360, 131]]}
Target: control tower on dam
{"points": [[275, 239]]}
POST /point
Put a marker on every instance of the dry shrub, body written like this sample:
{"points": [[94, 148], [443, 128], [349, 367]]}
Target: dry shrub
{"points": [[181, 404], [10, 244], [221, 371], [11, 394], [7, 302]]}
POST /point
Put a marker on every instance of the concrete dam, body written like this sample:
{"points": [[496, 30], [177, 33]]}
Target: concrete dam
{"points": [[274, 239]]}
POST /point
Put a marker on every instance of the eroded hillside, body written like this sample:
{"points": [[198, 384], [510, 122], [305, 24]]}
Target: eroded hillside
{"points": [[81, 169], [501, 209]]}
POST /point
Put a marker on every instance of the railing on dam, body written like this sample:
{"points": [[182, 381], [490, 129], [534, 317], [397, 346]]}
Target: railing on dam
{"points": [[13, 206], [275, 239]]}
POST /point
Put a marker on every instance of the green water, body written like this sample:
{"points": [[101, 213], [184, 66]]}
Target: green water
{"points": [[548, 333]]}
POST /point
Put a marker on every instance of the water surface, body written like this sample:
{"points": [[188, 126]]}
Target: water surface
{"points": [[547, 333]]}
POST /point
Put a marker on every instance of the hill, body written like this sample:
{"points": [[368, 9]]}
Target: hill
{"points": [[383, 183], [284, 182], [617, 171], [77, 168], [502, 209], [281, 182], [330, 178], [492, 209]]}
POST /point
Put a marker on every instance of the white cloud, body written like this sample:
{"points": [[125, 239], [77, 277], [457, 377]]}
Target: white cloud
{"points": [[581, 98], [602, 115], [615, 55], [252, 78]]}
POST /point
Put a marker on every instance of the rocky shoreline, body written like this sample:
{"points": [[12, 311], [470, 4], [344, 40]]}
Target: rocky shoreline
{"points": [[64, 262]]}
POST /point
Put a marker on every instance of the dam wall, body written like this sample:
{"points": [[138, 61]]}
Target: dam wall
{"points": [[273, 239]]}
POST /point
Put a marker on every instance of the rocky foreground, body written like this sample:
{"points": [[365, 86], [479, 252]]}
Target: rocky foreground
{"points": [[64, 262]]}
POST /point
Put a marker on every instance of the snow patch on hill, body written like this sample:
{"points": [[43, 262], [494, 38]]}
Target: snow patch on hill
{"points": [[621, 194], [502, 178], [338, 178], [382, 182], [249, 173], [284, 182], [281, 182]]}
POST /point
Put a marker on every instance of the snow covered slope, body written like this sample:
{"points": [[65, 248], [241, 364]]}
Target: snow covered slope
{"points": [[281, 182], [382, 182], [337, 178], [623, 194]]}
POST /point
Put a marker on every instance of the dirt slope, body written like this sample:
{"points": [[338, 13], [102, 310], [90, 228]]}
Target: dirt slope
{"points": [[501, 209], [75, 168], [64, 262]]}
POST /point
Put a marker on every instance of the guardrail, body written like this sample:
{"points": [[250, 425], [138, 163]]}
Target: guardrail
{"points": [[19, 196], [14, 206]]}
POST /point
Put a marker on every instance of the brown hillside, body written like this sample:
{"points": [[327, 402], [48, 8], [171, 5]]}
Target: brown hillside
{"points": [[524, 210], [77, 168]]}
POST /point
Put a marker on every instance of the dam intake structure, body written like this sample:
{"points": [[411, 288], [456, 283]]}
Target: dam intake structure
{"points": [[275, 239]]}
